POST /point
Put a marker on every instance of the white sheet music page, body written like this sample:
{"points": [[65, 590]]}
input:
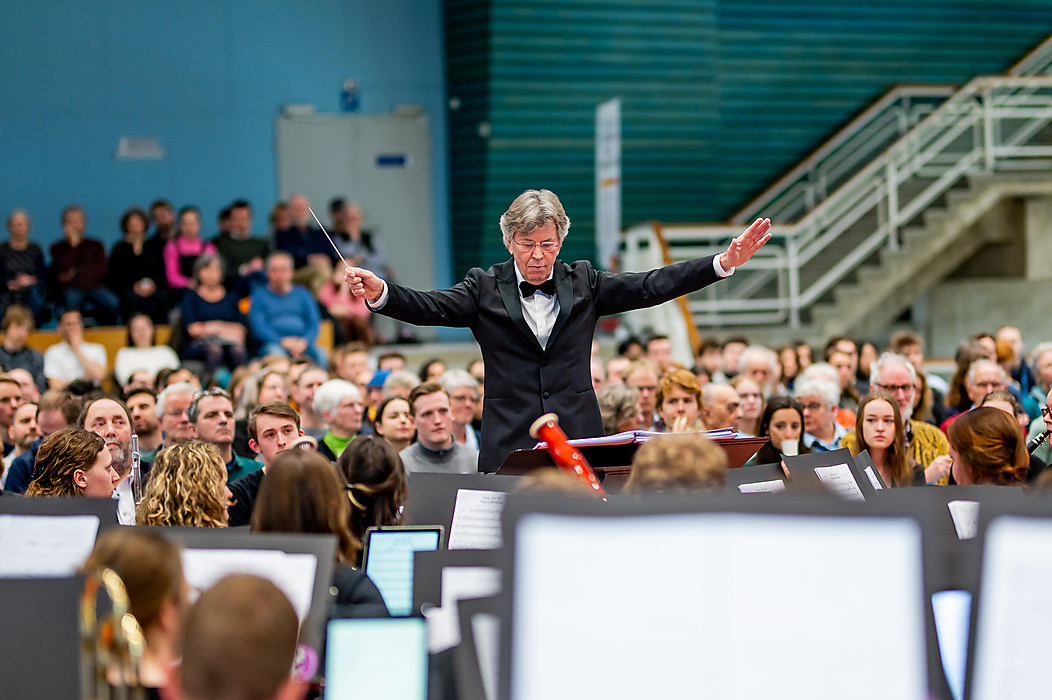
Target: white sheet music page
{"points": [[292, 573], [965, 516], [1014, 642], [476, 520], [773, 486], [839, 479], [45, 546], [717, 605]]}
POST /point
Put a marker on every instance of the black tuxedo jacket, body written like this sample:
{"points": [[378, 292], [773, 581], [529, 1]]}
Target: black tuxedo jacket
{"points": [[523, 380]]}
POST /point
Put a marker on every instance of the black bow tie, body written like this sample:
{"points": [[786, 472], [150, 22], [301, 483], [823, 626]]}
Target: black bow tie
{"points": [[546, 287]]}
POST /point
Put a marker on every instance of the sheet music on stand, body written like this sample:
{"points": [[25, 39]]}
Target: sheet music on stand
{"points": [[635, 436], [45, 546]]}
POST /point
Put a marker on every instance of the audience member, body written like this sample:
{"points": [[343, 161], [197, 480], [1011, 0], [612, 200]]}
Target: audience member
{"points": [[350, 360], [827, 372], [373, 396], [751, 397], [108, 418], [376, 484], [22, 268], [761, 365], [339, 403], [710, 357], [643, 377], [598, 372], [284, 317], [150, 567], [357, 245], [30, 390], [1004, 401], [187, 488], [213, 320], [211, 417], [616, 369], [659, 351], [78, 266], [72, 358], [310, 250], [302, 391], [278, 218], [867, 355], [619, 408], [394, 361], [847, 345], [720, 406], [789, 367], [242, 253], [879, 430], [957, 401], [435, 449], [678, 464], [135, 272], [14, 353], [394, 423], [982, 377], [22, 433], [10, 400], [239, 642], [162, 216], [142, 408], [183, 250], [678, 401], [431, 370], [272, 428], [73, 462], [400, 383], [988, 447], [1018, 370], [351, 314], [172, 405], [303, 494], [819, 398], [783, 422], [142, 351], [845, 365], [730, 358], [56, 410], [463, 396]]}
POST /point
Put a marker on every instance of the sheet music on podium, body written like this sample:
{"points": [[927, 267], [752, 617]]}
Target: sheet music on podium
{"points": [[1014, 643], [37, 546], [723, 605]]}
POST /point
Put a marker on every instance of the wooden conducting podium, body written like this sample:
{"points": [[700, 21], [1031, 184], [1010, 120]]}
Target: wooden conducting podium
{"points": [[612, 463]]}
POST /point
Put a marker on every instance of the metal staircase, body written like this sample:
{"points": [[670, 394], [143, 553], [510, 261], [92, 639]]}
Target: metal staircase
{"points": [[858, 233]]}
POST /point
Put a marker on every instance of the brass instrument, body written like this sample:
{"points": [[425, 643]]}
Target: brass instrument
{"points": [[111, 646]]}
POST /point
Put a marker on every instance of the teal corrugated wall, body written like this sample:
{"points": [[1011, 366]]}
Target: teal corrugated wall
{"points": [[719, 97]]}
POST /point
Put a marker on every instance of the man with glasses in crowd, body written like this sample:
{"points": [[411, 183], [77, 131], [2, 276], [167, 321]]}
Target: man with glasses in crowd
{"points": [[535, 316], [819, 398], [926, 445], [172, 404]]}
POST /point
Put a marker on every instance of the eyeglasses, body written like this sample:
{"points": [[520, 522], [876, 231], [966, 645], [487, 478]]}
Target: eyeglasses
{"points": [[1045, 411], [530, 246], [214, 391], [733, 406], [813, 406], [992, 386], [893, 388]]}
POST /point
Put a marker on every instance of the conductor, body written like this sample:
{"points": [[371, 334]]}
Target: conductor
{"points": [[534, 317]]}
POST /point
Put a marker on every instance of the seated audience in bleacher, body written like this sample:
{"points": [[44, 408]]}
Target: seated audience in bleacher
{"points": [[150, 567], [30, 390], [243, 254], [783, 422], [312, 254], [376, 484], [10, 400], [659, 351], [678, 464], [135, 272], [272, 427], [14, 353], [108, 418], [400, 383], [172, 406], [982, 377], [142, 351], [303, 494], [642, 376], [72, 358], [1019, 370], [78, 268], [987, 447], [957, 401], [751, 397], [357, 245], [720, 406], [23, 433], [182, 252], [761, 365], [56, 410], [239, 641], [463, 390], [619, 408], [302, 389], [678, 401], [187, 487], [819, 398], [211, 417], [431, 370], [394, 423], [22, 271], [879, 430], [212, 318], [348, 311], [435, 449], [926, 445], [339, 403], [73, 462], [284, 317], [162, 218], [142, 407]]}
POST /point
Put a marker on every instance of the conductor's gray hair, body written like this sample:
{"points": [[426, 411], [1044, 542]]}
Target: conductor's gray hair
{"points": [[530, 211]]}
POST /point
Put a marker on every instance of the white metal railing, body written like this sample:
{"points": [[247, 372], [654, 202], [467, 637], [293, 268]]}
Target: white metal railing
{"points": [[808, 184], [992, 125]]}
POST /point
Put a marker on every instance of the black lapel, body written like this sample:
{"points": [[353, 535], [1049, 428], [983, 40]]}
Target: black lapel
{"points": [[509, 293], [564, 293]]}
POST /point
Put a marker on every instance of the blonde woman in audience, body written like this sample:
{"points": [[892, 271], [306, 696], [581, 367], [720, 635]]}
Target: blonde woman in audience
{"points": [[187, 487], [73, 462], [151, 569], [880, 431], [751, 398], [678, 400], [678, 464], [394, 423]]}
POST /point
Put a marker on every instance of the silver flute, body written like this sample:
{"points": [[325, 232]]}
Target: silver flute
{"points": [[136, 470]]}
